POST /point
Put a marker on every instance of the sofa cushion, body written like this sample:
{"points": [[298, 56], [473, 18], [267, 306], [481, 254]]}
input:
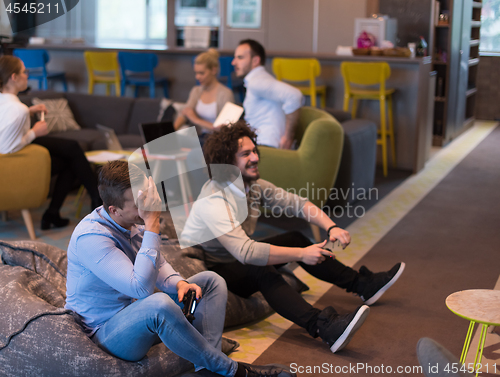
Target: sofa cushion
{"points": [[144, 110], [127, 142], [47, 261], [27, 99], [90, 110], [86, 137], [59, 116]]}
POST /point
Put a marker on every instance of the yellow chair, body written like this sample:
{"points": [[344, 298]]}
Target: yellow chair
{"points": [[357, 77], [103, 62], [26, 176], [297, 70]]}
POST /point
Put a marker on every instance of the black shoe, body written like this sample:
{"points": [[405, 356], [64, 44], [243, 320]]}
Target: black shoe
{"points": [[50, 219], [275, 370], [377, 283], [337, 330]]}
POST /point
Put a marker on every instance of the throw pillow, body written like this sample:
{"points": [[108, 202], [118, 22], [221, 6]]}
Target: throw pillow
{"points": [[59, 116]]}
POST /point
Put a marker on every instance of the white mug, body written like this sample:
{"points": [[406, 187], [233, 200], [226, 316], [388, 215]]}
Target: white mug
{"points": [[413, 49]]}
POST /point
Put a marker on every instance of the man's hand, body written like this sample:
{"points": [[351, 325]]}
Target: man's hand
{"points": [[341, 235], [315, 254], [286, 142], [149, 207], [40, 128], [38, 109], [184, 287]]}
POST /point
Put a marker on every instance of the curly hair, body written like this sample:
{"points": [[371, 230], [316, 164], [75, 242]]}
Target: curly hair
{"points": [[221, 146]]}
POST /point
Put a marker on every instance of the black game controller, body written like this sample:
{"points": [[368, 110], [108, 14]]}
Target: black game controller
{"points": [[189, 302], [330, 245]]}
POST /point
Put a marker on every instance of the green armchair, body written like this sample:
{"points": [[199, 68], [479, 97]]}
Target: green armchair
{"points": [[25, 181], [311, 170]]}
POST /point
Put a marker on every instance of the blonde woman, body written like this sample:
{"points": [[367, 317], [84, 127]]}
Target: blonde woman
{"points": [[207, 99]]}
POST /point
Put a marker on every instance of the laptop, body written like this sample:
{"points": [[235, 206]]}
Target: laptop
{"points": [[152, 131], [112, 142]]}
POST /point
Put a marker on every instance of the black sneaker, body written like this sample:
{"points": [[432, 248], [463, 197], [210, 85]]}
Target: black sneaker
{"points": [[337, 330], [377, 283], [274, 370]]}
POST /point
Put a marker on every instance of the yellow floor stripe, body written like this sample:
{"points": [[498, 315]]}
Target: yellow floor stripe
{"points": [[365, 233]]}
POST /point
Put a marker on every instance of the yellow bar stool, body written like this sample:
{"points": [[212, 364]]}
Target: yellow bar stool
{"points": [[359, 80], [481, 306], [102, 68], [297, 70]]}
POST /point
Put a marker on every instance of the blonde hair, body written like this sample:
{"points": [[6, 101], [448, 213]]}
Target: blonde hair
{"points": [[209, 58]]}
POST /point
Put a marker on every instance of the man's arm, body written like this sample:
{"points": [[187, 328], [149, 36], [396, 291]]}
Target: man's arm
{"points": [[100, 255], [292, 120], [316, 216], [290, 98]]}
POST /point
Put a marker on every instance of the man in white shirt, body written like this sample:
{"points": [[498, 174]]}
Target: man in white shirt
{"points": [[222, 221], [271, 106]]}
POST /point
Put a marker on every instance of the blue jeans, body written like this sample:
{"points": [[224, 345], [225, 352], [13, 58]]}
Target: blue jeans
{"points": [[130, 333]]}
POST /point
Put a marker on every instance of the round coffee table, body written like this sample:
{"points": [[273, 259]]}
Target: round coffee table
{"points": [[476, 305]]}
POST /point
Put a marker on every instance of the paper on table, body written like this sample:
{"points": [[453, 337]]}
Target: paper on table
{"points": [[230, 113], [105, 156]]}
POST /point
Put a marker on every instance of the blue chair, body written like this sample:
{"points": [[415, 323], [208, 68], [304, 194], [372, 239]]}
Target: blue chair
{"points": [[35, 61], [226, 70], [133, 65]]}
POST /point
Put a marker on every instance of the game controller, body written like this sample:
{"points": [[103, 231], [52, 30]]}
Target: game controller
{"points": [[189, 302]]}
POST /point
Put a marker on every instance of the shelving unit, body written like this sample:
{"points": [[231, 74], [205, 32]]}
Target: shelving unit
{"points": [[456, 58]]}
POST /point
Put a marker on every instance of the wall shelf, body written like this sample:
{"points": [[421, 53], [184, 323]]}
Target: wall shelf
{"points": [[471, 92], [456, 79], [474, 61]]}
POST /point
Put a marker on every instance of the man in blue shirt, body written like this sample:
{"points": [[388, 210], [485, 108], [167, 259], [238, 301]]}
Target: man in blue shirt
{"points": [[271, 106], [114, 266]]}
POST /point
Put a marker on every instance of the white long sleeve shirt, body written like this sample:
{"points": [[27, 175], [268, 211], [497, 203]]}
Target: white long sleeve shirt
{"points": [[267, 101], [15, 132]]}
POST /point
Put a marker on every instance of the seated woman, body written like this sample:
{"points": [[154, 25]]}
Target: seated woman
{"points": [[67, 158], [207, 99]]}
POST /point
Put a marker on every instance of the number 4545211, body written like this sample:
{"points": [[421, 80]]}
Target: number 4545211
{"points": [[32, 8]]}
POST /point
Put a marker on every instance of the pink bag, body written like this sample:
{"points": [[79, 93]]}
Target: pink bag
{"points": [[366, 40]]}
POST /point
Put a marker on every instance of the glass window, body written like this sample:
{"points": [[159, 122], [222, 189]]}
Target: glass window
{"points": [[490, 26], [245, 14], [137, 21]]}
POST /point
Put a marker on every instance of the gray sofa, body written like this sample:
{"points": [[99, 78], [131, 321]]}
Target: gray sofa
{"points": [[359, 156], [123, 114], [39, 337]]}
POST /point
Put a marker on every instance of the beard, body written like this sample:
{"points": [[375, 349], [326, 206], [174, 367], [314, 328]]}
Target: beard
{"points": [[253, 177]]}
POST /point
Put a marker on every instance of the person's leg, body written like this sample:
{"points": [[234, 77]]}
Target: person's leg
{"points": [[244, 280], [210, 312], [331, 270], [131, 332], [71, 152], [368, 285]]}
